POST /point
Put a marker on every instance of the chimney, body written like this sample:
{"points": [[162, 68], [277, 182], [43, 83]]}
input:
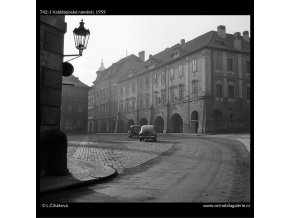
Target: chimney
{"points": [[221, 31], [246, 36], [182, 41], [237, 41], [237, 35], [141, 55]]}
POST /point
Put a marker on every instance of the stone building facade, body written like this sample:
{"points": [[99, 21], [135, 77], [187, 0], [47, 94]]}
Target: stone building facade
{"points": [[198, 86], [74, 105], [52, 144]]}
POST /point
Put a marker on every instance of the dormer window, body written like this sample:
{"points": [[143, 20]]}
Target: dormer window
{"points": [[151, 64], [130, 73]]}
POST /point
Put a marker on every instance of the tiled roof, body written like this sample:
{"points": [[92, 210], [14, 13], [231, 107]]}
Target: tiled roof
{"points": [[210, 39], [73, 80]]}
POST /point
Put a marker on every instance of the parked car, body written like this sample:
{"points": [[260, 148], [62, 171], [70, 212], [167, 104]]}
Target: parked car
{"points": [[134, 131], [148, 132]]}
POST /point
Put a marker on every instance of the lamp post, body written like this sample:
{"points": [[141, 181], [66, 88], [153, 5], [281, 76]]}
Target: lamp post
{"points": [[81, 38]]}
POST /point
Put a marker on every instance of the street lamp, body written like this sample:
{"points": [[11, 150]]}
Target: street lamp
{"points": [[81, 38]]}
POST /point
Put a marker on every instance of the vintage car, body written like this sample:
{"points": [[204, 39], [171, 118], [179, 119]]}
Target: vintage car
{"points": [[134, 131], [148, 132]]}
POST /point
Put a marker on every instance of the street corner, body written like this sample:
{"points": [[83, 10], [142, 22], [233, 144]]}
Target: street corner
{"points": [[89, 171]]}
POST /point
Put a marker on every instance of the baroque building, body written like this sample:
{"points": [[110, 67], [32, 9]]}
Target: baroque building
{"points": [[198, 86]]}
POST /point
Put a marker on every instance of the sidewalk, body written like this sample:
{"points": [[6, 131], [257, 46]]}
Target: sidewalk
{"points": [[244, 138], [82, 173]]}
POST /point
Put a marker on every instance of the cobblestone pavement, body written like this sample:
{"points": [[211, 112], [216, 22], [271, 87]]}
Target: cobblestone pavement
{"points": [[116, 154]]}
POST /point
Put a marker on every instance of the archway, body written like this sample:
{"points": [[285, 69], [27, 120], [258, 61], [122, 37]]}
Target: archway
{"points": [[103, 126], [159, 124], [129, 123], [143, 121], [194, 121], [112, 126], [96, 128], [176, 123], [120, 126], [218, 118]]}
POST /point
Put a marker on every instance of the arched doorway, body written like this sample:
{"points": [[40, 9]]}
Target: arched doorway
{"points": [[120, 126], [112, 126], [218, 118], [103, 126], [143, 121], [96, 128], [194, 121], [159, 124], [176, 123], [129, 123]]}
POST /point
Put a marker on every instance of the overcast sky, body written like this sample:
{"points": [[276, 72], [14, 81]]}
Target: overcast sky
{"points": [[111, 36]]}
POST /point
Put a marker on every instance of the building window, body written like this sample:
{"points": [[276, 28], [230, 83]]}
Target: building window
{"points": [[248, 67], [156, 98], [230, 64], [219, 89], [163, 96], [219, 61], [194, 65], [248, 93], [121, 106], [171, 74], [147, 82], [133, 87], [180, 70], [141, 84], [155, 79], [133, 104], [181, 92], [141, 102], [130, 73], [163, 78], [147, 101], [194, 89], [127, 105], [171, 94], [231, 91]]}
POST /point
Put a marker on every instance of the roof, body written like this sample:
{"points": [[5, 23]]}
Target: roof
{"points": [[209, 39], [73, 80], [122, 67]]}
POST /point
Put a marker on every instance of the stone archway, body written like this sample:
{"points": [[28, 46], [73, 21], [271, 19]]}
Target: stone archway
{"points": [[129, 123], [194, 121], [159, 124], [176, 123], [103, 126], [143, 121], [112, 126], [120, 126]]}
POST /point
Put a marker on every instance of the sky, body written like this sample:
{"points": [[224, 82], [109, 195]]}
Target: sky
{"points": [[112, 37]]}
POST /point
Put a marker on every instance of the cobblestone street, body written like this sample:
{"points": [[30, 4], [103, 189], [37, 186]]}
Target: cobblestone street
{"points": [[120, 154]]}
